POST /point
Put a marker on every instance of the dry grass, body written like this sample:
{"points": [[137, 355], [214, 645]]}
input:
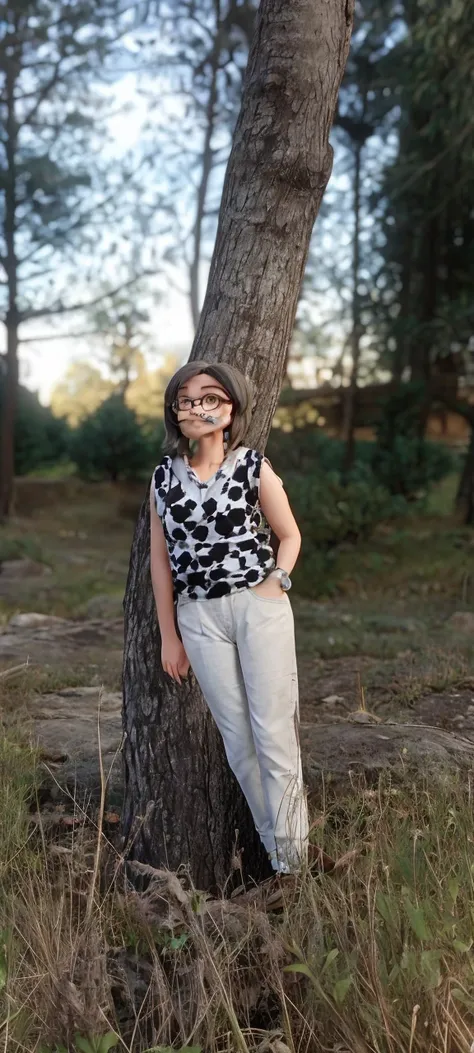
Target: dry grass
{"points": [[375, 960]]}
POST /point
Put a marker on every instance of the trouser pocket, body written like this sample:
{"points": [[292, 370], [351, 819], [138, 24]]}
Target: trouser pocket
{"points": [[283, 599]]}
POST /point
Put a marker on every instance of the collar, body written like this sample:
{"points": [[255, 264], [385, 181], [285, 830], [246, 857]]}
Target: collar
{"points": [[228, 463]]}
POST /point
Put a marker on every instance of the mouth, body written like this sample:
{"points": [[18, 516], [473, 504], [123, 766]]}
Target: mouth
{"points": [[203, 418]]}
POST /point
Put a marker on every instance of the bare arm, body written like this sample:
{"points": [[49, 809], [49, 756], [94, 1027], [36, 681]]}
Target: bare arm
{"points": [[173, 655], [161, 573], [276, 509]]}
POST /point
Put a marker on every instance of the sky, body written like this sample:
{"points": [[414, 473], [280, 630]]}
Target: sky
{"points": [[43, 363]]}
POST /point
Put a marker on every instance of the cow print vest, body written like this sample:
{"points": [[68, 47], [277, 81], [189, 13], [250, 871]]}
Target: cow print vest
{"points": [[217, 536]]}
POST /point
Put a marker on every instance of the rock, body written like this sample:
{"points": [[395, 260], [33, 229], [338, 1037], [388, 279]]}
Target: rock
{"points": [[64, 726], [337, 750], [31, 620], [362, 716], [23, 568], [59, 640], [333, 700], [104, 606], [462, 622], [391, 623], [74, 559]]}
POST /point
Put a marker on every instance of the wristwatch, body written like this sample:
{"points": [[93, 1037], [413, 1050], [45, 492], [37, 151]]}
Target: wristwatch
{"points": [[285, 580]]}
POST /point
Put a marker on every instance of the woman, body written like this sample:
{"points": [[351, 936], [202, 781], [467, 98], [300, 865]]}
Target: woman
{"points": [[214, 503]]}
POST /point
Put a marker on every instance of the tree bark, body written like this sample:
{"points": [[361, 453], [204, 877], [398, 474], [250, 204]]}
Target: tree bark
{"points": [[465, 409], [182, 805], [421, 349], [10, 386], [206, 170], [402, 353], [351, 394], [465, 494]]}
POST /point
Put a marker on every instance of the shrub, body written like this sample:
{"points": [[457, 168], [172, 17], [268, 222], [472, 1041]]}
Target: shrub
{"points": [[330, 513], [304, 450], [402, 460], [40, 439], [110, 443], [411, 466]]}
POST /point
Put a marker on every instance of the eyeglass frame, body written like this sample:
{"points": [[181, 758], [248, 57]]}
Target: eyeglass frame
{"points": [[194, 402]]}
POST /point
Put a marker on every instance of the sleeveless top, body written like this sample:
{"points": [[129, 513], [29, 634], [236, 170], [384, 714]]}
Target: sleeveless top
{"points": [[217, 536]]}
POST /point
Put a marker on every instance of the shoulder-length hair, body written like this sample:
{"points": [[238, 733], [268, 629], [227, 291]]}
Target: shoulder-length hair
{"points": [[236, 385]]}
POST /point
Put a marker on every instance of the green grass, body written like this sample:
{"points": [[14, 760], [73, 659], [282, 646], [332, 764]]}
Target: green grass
{"points": [[85, 539], [14, 547], [441, 499], [428, 557], [18, 691]]}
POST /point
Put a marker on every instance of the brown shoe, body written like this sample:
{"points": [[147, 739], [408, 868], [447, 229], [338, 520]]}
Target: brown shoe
{"points": [[271, 894], [279, 890], [319, 861]]}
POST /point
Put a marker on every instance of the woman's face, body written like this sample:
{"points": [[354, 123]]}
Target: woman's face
{"points": [[206, 417]]}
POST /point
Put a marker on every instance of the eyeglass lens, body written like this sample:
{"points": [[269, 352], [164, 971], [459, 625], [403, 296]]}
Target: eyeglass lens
{"points": [[208, 402]]}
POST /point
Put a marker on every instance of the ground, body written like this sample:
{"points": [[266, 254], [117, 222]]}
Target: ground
{"points": [[393, 643], [381, 952]]}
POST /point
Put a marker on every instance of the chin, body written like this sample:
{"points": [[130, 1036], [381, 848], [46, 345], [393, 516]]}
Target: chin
{"points": [[198, 427]]}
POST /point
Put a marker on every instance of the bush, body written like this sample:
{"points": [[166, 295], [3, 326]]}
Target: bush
{"points": [[404, 462], [41, 439], [330, 513], [304, 450], [110, 443], [411, 466]]}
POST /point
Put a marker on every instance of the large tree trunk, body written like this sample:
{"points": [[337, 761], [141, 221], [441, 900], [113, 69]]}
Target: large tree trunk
{"points": [[465, 494], [206, 171], [8, 401], [421, 349], [182, 804], [350, 401], [10, 382]]}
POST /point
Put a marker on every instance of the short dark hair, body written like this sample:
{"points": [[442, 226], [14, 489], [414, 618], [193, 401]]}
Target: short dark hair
{"points": [[238, 388]]}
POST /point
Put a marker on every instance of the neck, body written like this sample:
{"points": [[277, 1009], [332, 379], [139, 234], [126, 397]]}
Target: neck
{"points": [[209, 450]]}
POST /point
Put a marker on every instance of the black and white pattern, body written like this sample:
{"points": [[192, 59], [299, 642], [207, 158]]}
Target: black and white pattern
{"points": [[218, 539]]}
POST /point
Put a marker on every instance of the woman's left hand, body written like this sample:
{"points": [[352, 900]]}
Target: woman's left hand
{"points": [[269, 589]]}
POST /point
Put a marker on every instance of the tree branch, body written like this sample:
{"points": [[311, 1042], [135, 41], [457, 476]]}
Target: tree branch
{"points": [[46, 312], [60, 336], [463, 409]]}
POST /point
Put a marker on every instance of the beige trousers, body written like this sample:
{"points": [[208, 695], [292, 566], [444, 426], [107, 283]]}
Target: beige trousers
{"points": [[242, 651]]}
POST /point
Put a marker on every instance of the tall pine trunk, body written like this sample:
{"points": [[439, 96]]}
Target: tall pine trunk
{"points": [[350, 401], [182, 805], [206, 172], [8, 404], [465, 494], [9, 393]]}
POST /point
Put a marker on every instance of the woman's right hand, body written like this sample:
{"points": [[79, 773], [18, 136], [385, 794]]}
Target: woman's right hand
{"points": [[174, 659]]}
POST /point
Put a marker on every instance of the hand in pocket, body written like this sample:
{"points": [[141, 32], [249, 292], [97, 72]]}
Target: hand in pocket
{"points": [[269, 589]]}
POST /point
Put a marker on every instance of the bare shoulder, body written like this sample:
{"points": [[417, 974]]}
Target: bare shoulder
{"points": [[268, 472]]}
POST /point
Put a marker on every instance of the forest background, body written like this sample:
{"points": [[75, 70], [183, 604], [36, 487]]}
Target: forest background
{"points": [[116, 207], [116, 121]]}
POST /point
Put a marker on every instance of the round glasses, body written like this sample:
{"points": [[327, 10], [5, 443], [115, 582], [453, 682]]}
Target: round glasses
{"points": [[208, 402]]}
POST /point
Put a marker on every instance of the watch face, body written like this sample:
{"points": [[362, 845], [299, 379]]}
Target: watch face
{"points": [[285, 582]]}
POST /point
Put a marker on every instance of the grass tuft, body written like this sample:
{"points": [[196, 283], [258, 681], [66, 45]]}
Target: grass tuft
{"points": [[376, 958]]}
